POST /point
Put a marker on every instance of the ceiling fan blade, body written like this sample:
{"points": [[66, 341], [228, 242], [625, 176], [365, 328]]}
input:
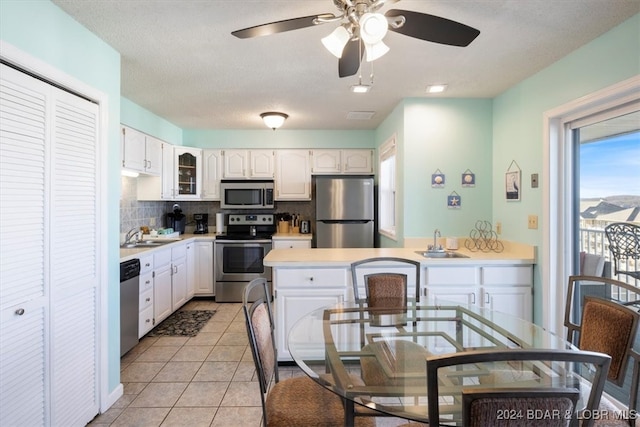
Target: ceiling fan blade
{"points": [[282, 26], [433, 28], [349, 63]]}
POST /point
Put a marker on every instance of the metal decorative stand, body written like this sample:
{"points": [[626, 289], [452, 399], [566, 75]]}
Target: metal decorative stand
{"points": [[483, 238]]}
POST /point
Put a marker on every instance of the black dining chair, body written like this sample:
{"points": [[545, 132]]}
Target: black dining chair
{"points": [[602, 314], [298, 401], [624, 244], [451, 375]]}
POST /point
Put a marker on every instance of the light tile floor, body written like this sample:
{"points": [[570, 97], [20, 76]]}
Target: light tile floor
{"points": [[207, 380]]}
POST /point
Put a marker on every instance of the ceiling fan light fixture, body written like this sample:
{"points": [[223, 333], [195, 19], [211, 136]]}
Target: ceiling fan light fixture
{"points": [[373, 27], [336, 41], [273, 119], [375, 51]]}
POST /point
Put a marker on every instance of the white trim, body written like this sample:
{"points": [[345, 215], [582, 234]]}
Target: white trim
{"points": [[40, 68], [557, 208]]}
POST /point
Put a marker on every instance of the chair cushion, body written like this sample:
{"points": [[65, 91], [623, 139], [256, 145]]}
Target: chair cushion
{"points": [[484, 411], [302, 402], [262, 333], [607, 329], [407, 357]]}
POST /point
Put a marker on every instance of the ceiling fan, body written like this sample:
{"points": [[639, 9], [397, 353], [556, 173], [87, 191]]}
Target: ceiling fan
{"points": [[362, 29]]}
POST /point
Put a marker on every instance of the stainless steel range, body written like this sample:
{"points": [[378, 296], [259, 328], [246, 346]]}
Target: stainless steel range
{"points": [[239, 253]]}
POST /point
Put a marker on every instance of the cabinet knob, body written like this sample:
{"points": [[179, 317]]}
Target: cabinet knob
{"points": [[20, 311], [148, 299], [147, 265], [148, 321], [311, 279], [148, 282]]}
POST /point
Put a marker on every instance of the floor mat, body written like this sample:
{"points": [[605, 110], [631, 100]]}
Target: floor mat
{"points": [[182, 323]]}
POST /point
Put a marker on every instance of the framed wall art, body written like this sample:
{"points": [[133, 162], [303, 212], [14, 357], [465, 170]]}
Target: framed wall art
{"points": [[468, 179], [454, 201], [512, 182], [437, 179]]}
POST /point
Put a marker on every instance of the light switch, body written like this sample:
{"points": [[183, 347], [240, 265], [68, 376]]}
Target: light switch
{"points": [[533, 222]]}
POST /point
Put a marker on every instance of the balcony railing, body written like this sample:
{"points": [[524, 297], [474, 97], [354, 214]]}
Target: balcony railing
{"points": [[594, 241]]}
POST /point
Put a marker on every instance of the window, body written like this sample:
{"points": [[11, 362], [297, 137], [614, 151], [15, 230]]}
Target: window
{"points": [[387, 188]]}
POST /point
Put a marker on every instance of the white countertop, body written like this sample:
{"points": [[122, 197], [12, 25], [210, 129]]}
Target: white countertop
{"points": [[512, 254], [130, 253]]}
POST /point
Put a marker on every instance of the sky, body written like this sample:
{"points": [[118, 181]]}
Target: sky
{"points": [[610, 167]]}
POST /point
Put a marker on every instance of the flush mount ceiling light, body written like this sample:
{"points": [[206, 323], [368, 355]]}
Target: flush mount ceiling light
{"points": [[273, 119], [436, 88]]}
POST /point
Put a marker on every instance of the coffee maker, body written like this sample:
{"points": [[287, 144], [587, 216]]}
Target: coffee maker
{"points": [[202, 223], [176, 219]]}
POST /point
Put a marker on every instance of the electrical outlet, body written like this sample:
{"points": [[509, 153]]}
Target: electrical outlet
{"points": [[152, 222], [498, 228], [533, 222]]}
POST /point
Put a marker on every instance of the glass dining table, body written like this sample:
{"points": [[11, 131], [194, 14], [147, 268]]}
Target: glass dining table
{"points": [[375, 359]]}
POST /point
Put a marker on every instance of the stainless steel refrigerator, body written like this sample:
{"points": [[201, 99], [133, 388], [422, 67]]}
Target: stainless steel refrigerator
{"points": [[344, 212]]}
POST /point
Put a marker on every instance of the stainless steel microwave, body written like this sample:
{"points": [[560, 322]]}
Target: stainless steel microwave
{"points": [[244, 194]]}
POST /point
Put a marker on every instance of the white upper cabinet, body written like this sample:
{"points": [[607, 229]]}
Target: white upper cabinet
{"points": [[243, 164], [187, 173], [140, 152], [293, 175], [336, 161], [211, 174]]}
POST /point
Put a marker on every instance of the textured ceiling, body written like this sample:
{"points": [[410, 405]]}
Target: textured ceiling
{"points": [[180, 61]]}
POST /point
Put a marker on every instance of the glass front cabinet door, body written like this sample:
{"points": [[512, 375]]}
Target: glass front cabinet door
{"points": [[188, 173]]}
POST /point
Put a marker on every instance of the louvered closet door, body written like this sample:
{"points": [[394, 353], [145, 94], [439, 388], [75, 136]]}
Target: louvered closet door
{"points": [[73, 260], [23, 294], [49, 220]]}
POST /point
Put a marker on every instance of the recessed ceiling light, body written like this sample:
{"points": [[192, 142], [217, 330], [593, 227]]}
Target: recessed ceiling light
{"points": [[360, 88], [436, 88]]}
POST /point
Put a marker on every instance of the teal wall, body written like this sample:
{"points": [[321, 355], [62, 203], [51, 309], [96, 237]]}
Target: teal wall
{"points": [[42, 30], [134, 116], [451, 135], [518, 124], [281, 138]]}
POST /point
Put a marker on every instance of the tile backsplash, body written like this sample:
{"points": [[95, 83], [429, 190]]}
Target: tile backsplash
{"points": [[135, 214]]}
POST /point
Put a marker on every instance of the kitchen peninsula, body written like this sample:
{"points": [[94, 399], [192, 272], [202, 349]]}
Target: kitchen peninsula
{"points": [[307, 279]]}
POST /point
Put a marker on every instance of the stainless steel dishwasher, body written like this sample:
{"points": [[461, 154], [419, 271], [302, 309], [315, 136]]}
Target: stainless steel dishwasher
{"points": [[129, 301]]}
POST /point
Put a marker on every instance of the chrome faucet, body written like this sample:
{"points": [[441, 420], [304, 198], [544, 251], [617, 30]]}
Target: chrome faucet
{"points": [[435, 246], [130, 235]]}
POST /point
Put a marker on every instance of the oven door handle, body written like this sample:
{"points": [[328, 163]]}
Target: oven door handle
{"points": [[243, 242]]}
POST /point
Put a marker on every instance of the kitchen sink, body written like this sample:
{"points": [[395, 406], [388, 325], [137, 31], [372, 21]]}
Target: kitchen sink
{"points": [[441, 254]]}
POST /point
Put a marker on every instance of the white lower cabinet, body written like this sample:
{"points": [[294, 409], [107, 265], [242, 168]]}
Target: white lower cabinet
{"points": [[162, 285], [203, 268], [145, 306], [178, 276], [507, 289], [291, 243], [299, 291]]}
